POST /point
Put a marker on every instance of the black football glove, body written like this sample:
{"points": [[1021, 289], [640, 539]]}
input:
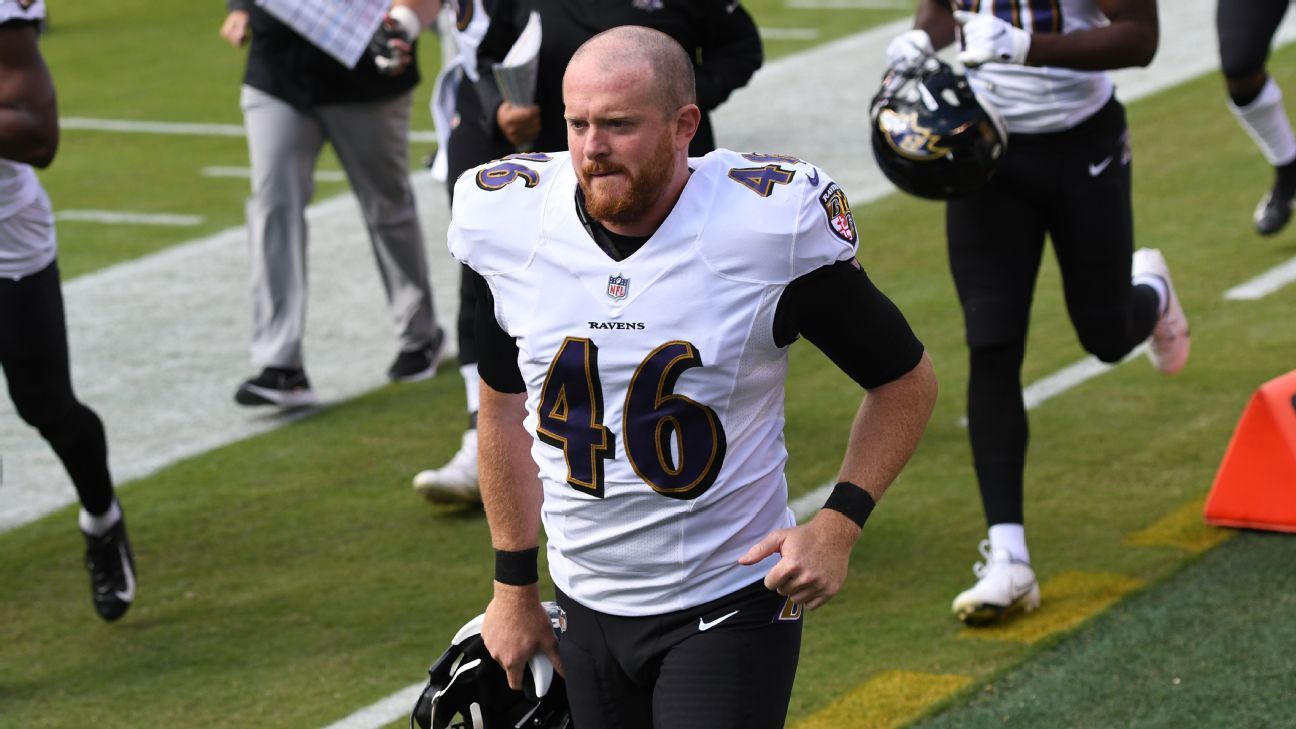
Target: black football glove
{"points": [[400, 24]]}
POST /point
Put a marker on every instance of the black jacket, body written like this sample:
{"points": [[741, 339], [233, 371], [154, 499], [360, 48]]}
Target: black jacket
{"points": [[290, 68], [725, 46]]}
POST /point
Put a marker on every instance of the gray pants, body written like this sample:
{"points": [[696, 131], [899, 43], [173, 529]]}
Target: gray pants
{"points": [[372, 141]]}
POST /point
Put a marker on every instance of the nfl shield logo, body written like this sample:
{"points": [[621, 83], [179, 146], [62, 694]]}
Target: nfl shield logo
{"points": [[618, 286]]}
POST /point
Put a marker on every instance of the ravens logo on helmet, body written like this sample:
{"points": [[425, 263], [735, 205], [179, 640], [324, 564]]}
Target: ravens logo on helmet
{"points": [[931, 135]]}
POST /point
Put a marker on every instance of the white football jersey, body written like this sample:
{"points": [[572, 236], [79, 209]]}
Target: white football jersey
{"points": [[654, 386], [26, 242], [462, 25], [471, 18], [1034, 99]]}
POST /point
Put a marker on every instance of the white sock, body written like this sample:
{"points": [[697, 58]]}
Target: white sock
{"points": [[1265, 120], [1011, 537], [97, 526], [1158, 285], [472, 383]]}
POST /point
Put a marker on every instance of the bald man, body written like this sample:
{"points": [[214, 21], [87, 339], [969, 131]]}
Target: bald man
{"points": [[635, 314]]}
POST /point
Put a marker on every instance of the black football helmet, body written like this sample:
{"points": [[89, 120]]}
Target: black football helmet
{"points": [[467, 689], [932, 136]]}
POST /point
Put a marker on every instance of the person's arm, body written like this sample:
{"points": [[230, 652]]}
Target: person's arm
{"points": [[519, 125], [516, 625], [235, 28], [731, 53], [936, 19], [29, 131], [814, 556], [1129, 39], [841, 312]]}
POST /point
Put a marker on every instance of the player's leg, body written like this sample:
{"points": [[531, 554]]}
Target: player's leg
{"points": [[372, 142], [470, 144], [734, 666], [34, 354], [599, 691], [996, 240], [1092, 226], [456, 481], [283, 144], [1245, 31]]}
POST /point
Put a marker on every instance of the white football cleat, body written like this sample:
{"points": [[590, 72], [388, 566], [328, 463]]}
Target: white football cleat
{"points": [[1168, 345], [1004, 586], [456, 481]]}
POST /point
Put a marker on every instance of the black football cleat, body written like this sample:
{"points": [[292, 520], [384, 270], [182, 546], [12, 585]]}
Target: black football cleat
{"points": [[418, 364], [1275, 208], [286, 388], [111, 565]]}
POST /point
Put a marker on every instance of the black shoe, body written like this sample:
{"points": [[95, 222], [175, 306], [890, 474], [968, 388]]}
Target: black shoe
{"points": [[418, 364], [112, 571], [1275, 208], [287, 388]]}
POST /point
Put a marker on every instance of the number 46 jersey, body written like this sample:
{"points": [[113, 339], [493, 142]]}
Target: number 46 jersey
{"points": [[654, 384]]}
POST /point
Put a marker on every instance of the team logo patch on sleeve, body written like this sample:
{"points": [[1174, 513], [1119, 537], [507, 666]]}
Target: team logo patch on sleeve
{"points": [[840, 219], [618, 287]]}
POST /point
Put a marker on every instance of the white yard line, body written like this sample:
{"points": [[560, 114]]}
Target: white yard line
{"points": [[119, 217], [384, 712], [246, 173], [127, 126], [826, 125], [1264, 284], [130, 126]]}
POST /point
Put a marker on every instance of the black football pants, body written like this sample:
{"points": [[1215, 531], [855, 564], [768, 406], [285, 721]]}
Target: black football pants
{"points": [[472, 142], [1246, 29], [1073, 186], [34, 354], [694, 669]]}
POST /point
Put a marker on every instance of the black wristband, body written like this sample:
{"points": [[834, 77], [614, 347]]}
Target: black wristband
{"points": [[517, 568], [852, 501]]}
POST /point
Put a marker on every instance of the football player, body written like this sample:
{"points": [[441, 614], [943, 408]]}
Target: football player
{"points": [[1245, 32], [634, 322], [33, 332], [465, 140], [719, 34], [1065, 174]]}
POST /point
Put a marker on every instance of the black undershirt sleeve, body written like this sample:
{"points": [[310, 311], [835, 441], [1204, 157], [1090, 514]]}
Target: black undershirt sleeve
{"points": [[731, 53], [497, 352], [839, 310]]}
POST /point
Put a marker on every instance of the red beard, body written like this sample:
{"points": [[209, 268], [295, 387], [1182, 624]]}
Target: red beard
{"points": [[633, 200]]}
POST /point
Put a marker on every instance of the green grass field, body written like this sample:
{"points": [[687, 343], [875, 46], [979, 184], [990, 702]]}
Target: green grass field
{"points": [[291, 578]]}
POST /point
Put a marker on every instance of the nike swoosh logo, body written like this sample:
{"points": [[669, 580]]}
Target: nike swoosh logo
{"points": [[704, 625], [1097, 169], [129, 594], [813, 178]]}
